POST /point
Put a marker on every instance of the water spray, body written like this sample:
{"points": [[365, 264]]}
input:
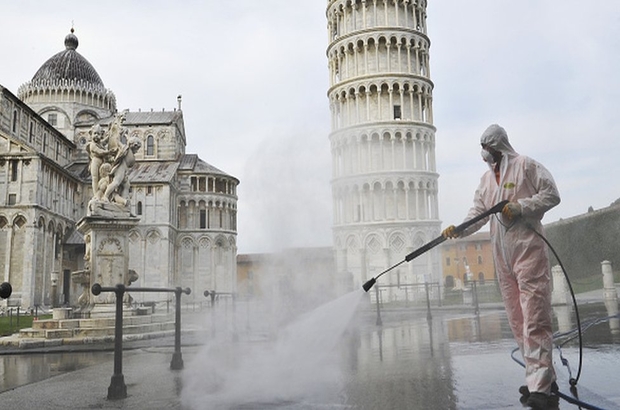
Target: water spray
{"points": [[430, 245]]}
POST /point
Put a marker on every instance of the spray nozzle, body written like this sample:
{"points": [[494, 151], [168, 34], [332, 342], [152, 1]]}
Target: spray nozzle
{"points": [[369, 284]]}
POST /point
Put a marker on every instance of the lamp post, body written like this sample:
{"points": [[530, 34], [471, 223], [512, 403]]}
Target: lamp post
{"points": [[5, 290]]}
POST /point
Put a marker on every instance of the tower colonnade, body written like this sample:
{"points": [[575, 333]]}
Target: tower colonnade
{"points": [[70, 91], [394, 199], [346, 16], [382, 150], [369, 101]]}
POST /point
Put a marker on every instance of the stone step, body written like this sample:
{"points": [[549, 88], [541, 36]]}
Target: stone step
{"points": [[99, 322], [45, 324], [80, 328], [127, 330], [31, 333], [58, 333]]}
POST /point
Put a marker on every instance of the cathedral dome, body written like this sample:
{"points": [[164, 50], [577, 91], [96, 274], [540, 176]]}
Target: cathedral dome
{"points": [[68, 65], [69, 81]]}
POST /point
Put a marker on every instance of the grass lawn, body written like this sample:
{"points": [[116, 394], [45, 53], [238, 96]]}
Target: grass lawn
{"points": [[10, 325]]}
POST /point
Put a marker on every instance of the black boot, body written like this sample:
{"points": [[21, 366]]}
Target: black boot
{"points": [[542, 401], [525, 392]]}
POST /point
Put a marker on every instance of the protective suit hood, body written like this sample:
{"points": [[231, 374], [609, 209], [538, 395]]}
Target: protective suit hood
{"points": [[495, 137]]}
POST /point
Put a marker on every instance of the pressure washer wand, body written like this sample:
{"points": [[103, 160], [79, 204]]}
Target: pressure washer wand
{"points": [[430, 245]]}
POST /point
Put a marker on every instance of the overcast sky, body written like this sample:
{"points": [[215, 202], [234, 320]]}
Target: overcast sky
{"points": [[254, 78]]}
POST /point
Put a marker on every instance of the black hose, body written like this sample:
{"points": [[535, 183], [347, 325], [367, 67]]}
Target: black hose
{"points": [[573, 400], [572, 381]]}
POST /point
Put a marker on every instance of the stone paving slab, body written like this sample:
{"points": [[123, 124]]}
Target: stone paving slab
{"points": [[151, 384]]}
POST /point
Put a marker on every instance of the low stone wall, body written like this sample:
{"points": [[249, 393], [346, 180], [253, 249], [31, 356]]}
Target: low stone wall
{"points": [[584, 241]]}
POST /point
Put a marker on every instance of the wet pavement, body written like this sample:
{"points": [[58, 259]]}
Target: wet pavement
{"points": [[456, 360]]}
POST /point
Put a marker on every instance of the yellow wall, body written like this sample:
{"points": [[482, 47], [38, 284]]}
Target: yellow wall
{"points": [[474, 251]]}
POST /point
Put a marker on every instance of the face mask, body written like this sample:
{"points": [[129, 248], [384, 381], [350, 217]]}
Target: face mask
{"points": [[487, 157]]}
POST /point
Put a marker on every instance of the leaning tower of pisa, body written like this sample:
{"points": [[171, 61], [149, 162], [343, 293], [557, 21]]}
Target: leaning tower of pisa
{"points": [[384, 184]]}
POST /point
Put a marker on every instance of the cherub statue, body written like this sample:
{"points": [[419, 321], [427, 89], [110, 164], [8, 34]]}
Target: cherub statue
{"points": [[119, 182], [97, 152]]}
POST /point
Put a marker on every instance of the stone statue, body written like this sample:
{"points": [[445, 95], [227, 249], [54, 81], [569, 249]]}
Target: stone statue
{"points": [[118, 188], [97, 152], [116, 133], [110, 161], [87, 251]]}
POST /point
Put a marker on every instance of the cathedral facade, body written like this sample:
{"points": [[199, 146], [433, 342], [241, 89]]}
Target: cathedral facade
{"points": [[187, 208]]}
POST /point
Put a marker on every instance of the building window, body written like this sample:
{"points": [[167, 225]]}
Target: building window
{"points": [[447, 261], [139, 208], [14, 169], [31, 132], [149, 190], [193, 184], [397, 112], [44, 142], [12, 199], [203, 219], [220, 186], [57, 150], [478, 246], [150, 145], [202, 184], [15, 120], [479, 260], [52, 119]]}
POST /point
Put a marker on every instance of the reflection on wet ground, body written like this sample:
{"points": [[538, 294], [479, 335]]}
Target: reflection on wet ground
{"points": [[456, 360], [464, 362], [22, 369]]}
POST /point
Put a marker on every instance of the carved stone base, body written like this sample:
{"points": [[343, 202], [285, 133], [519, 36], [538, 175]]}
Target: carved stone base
{"points": [[108, 209], [107, 252]]}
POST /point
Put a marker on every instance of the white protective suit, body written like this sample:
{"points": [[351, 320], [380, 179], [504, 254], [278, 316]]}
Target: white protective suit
{"points": [[521, 257]]}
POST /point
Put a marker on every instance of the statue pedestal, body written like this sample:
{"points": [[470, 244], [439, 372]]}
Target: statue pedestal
{"points": [[107, 251]]}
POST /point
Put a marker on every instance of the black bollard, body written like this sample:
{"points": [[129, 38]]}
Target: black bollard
{"points": [[475, 294], [429, 316], [118, 388], [177, 359], [379, 322]]}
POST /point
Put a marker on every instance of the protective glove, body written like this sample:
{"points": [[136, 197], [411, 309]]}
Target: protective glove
{"points": [[450, 232], [512, 210]]}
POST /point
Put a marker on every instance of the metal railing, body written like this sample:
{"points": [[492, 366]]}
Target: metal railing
{"points": [[118, 388]]}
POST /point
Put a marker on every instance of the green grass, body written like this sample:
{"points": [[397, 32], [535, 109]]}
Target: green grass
{"points": [[9, 326]]}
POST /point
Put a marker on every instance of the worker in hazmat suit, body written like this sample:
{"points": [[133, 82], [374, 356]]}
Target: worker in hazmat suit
{"points": [[520, 255]]}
